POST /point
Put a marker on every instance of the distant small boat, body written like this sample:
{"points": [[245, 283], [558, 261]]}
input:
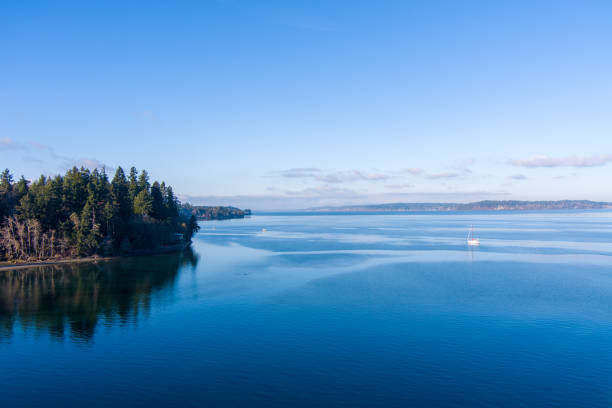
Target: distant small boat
{"points": [[263, 230], [471, 241]]}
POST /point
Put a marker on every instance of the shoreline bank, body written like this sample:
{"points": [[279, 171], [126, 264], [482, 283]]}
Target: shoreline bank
{"points": [[31, 264]]}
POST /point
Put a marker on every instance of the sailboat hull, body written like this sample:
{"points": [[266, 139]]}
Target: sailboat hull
{"points": [[471, 241]]}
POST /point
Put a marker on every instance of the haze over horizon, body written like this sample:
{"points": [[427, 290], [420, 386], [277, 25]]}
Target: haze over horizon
{"points": [[279, 105]]}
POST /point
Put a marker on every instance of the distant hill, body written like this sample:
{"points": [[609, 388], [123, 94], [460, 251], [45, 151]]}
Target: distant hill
{"points": [[489, 205], [215, 212]]}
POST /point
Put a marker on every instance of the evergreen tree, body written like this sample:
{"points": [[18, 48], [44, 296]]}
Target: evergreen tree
{"points": [[143, 204], [192, 227], [134, 187], [143, 181], [157, 202], [21, 188], [41, 203], [104, 177], [75, 190], [120, 195], [88, 235], [6, 180], [108, 213], [6, 195], [54, 202], [104, 195], [171, 204]]}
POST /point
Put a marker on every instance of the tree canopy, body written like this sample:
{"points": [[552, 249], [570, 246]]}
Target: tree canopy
{"points": [[82, 213]]}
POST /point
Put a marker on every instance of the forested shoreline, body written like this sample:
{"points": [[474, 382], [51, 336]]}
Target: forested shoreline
{"points": [[83, 213], [203, 212]]}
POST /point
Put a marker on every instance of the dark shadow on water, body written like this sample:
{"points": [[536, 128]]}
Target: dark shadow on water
{"points": [[76, 298]]}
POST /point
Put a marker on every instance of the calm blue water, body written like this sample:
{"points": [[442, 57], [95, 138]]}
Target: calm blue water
{"points": [[330, 310]]}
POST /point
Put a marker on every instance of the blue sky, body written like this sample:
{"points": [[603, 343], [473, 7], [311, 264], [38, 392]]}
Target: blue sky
{"points": [[291, 104]]}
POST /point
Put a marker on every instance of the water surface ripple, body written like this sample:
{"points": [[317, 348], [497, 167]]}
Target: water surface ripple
{"points": [[325, 310]]}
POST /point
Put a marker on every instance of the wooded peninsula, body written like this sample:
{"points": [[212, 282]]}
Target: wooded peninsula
{"points": [[202, 212], [83, 213]]}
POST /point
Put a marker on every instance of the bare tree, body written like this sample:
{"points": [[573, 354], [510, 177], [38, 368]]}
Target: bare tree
{"points": [[26, 240]]}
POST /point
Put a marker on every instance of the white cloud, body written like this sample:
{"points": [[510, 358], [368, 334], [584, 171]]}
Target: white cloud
{"points": [[8, 143], [35, 148], [324, 191], [40, 146], [300, 172], [350, 176], [460, 168], [415, 171], [463, 165], [87, 163], [332, 177], [444, 175], [399, 186], [569, 161], [518, 177]]}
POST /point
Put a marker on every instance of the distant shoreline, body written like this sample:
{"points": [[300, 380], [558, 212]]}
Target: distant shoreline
{"points": [[508, 205]]}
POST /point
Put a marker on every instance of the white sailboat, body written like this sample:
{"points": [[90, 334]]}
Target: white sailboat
{"points": [[471, 241]]}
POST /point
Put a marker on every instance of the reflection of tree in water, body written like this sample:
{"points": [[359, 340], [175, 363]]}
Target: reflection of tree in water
{"points": [[77, 296]]}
